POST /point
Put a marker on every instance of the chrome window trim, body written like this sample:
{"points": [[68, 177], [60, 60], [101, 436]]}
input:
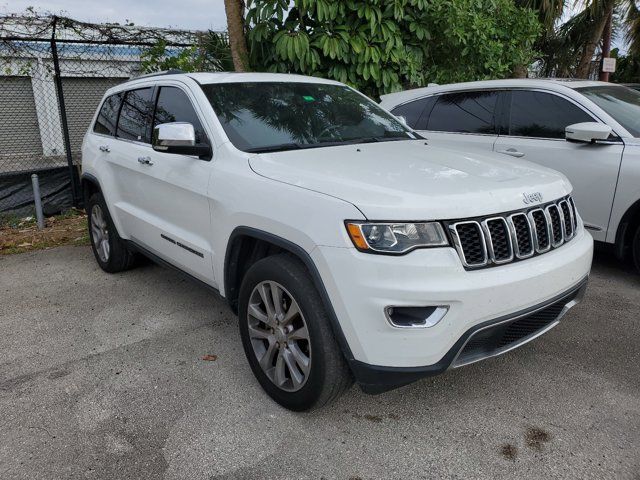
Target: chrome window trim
{"points": [[453, 228], [514, 235], [489, 240], [532, 222]]}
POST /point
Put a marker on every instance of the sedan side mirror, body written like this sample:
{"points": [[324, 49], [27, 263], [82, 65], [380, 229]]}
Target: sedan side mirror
{"points": [[178, 137], [587, 132]]}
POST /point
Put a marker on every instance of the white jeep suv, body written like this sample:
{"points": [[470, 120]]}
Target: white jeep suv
{"points": [[590, 131], [349, 247]]}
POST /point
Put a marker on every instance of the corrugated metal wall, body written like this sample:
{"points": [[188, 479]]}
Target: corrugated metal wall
{"points": [[20, 140], [81, 98]]}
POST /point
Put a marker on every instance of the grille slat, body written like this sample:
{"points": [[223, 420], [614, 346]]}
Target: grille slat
{"points": [[540, 224], [471, 242], [567, 215], [522, 234], [505, 238], [499, 242]]}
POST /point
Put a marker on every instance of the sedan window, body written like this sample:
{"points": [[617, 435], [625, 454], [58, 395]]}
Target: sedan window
{"points": [[465, 112], [542, 115]]}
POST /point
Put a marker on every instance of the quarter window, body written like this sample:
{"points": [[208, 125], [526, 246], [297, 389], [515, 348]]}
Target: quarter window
{"points": [[464, 112], [415, 112], [174, 106], [135, 115], [108, 115], [542, 115]]}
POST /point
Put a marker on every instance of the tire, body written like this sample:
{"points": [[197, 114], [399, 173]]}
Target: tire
{"points": [[327, 375], [635, 249], [110, 250]]}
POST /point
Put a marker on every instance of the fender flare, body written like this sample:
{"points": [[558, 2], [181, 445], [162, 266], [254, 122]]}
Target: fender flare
{"points": [[230, 262]]}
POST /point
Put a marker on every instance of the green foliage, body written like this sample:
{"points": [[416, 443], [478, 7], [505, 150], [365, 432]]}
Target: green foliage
{"points": [[627, 68], [381, 46], [211, 53]]}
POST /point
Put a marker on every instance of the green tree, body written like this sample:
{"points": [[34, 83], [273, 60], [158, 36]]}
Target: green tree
{"points": [[384, 45], [210, 53]]}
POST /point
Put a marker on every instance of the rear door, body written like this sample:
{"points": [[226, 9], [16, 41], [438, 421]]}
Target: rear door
{"points": [[461, 120], [536, 122]]}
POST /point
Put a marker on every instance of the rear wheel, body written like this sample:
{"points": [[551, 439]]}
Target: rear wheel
{"points": [[110, 250], [287, 337]]}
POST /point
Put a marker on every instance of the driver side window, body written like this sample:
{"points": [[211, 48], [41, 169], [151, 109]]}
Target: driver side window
{"points": [[173, 105]]}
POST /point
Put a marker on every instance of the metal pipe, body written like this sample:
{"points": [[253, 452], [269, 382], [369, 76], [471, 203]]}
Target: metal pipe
{"points": [[38, 200], [63, 114]]}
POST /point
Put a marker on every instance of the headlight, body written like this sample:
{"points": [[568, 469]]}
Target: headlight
{"points": [[396, 238]]}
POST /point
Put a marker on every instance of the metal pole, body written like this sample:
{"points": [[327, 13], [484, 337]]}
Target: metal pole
{"points": [[63, 114], [38, 200]]}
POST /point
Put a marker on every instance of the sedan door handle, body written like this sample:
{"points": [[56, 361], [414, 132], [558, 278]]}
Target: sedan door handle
{"points": [[145, 160], [105, 148], [511, 151]]}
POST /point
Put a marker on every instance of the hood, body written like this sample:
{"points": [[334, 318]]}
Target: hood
{"points": [[409, 180]]}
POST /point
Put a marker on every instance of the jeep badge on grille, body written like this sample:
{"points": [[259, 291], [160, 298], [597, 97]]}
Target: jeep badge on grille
{"points": [[528, 198]]}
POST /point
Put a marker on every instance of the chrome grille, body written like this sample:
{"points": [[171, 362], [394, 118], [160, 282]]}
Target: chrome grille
{"points": [[515, 236]]}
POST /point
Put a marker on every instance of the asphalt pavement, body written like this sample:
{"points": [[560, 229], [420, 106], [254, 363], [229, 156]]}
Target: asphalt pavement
{"points": [[102, 376]]}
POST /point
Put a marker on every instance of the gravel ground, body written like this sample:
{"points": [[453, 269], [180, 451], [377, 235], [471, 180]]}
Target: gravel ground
{"points": [[102, 376]]}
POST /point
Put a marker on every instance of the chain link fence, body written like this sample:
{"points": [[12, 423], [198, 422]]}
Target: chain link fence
{"points": [[53, 74]]}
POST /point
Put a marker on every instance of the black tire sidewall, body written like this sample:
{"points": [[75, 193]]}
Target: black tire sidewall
{"points": [[297, 281], [635, 249], [118, 254]]}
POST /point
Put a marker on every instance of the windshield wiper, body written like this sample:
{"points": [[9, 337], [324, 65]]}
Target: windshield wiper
{"points": [[282, 147], [275, 148]]}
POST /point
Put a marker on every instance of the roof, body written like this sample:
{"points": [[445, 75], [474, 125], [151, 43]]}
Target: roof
{"points": [[554, 83], [233, 77]]}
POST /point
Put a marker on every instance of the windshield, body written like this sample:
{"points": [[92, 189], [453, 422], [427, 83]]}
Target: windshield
{"points": [[276, 116], [622, 103]]}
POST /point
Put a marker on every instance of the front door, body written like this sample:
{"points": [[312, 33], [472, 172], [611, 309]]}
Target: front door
{"points": [[172, 194]]}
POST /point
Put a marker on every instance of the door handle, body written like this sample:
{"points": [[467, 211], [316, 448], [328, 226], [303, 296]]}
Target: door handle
{"points": [[511, 151], [145, 160], [105, 148]]}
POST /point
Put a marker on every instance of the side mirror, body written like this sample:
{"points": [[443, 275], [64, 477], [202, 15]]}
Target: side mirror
{"points": [[587, 132], [178, 137]]}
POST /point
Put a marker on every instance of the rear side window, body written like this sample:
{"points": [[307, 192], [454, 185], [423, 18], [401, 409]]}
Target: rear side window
{"points": [[108, 116], [414, 112], [174, 106], [464, 112], [542, 115], [135, 115]]}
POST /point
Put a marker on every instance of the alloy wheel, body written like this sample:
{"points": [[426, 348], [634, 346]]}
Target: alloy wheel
{"points": [[100, 233], [279, 336]]}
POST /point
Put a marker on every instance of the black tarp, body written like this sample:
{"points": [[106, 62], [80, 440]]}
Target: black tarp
{"points": [[16, 192]]}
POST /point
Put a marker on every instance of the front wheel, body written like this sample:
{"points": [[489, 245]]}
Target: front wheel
{"points": [[287, 337]]}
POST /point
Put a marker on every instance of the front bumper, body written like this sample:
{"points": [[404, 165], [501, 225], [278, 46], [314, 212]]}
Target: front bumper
{"points": [[486, 340], [361, 285]]}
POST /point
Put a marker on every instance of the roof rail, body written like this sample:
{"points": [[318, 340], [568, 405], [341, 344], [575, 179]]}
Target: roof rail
{"points": [[171, 71]]}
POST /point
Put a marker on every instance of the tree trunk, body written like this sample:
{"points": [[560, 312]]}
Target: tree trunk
{"points": [[237, 40], [590, 47], [606, 46], [519, 71]]}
